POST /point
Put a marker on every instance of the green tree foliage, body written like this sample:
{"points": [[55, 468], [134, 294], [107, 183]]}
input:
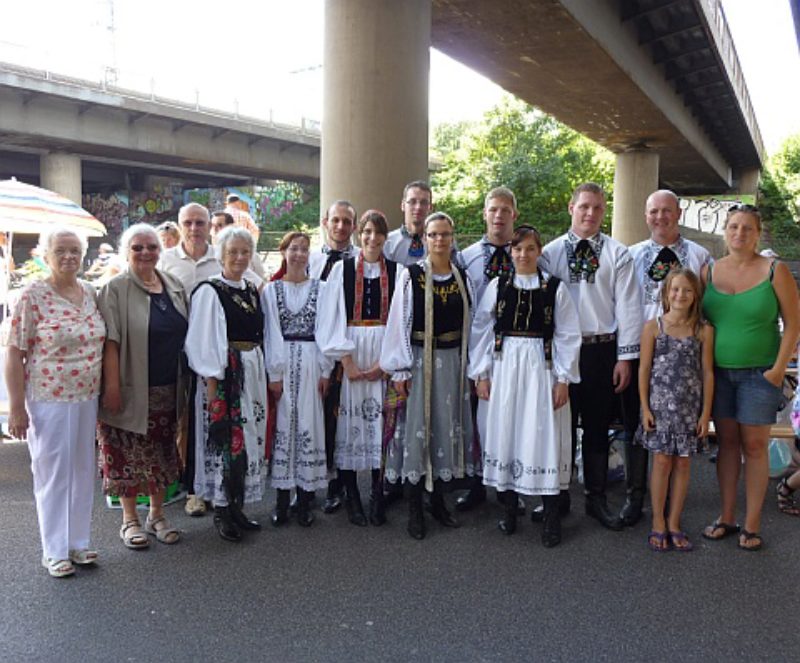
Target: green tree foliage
{"points": [[515, 145], [779, 199]]}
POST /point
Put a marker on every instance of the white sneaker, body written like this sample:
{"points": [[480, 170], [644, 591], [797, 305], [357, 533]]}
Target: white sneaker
{"points": [[195, 506]]}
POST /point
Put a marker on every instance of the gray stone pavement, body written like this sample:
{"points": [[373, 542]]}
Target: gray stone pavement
{"points": [[335, 592]]}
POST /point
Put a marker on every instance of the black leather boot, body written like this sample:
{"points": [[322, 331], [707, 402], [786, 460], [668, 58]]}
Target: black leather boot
{"points": [[595, 473], [333, 498], [352, 498], [280, 515], [473, 497], [416, 516], [240, 518], [225, 526], [304, 515], [439, 509], [508, 524], [636, 458], [551, 528], [564, 505], [377, 510]]}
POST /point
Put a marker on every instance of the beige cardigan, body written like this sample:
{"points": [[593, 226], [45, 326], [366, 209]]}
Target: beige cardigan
{"points": [[124, 303]]}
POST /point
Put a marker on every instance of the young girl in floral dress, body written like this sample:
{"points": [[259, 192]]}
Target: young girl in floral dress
{"points": [[676, 385]]}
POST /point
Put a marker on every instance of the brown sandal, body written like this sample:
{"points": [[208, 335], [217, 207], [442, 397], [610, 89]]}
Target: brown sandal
{"points": [[786, 498]]}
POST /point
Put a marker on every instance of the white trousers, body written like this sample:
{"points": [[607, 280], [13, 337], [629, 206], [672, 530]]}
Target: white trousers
{"points": [[61, 440]]}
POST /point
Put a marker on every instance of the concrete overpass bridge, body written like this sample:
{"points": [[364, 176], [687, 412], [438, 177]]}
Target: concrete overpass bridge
{"points": [[656, 81], [69, 131]]}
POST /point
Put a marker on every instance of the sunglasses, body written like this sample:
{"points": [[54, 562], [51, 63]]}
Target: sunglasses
{"points": [[744, 208], [138, 248]]}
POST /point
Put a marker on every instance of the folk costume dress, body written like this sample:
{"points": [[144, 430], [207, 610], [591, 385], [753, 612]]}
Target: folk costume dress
{"points": [[354, 323], [526, 338], [293, 356], [427, 335], [225, 341]]}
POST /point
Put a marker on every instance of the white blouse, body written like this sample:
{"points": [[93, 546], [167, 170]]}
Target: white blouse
{"points": [[295, 297]]}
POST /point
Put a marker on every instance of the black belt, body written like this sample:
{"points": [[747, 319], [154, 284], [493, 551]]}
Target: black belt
{"points": [[309, 339]]}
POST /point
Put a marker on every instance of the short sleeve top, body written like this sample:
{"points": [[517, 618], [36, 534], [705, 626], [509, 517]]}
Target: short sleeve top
{"points": [[63, 343]]}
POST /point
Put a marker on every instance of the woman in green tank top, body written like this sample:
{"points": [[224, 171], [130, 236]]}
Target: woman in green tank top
{"points": [[745, 294]]}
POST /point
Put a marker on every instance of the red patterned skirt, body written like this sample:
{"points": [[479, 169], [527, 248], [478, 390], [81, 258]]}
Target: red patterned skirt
{"points": [[132, 464]]}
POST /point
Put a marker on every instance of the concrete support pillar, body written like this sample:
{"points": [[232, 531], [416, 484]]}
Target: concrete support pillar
{"points": [[748, 182], [635, 178], [61, 173], [375, 103]]}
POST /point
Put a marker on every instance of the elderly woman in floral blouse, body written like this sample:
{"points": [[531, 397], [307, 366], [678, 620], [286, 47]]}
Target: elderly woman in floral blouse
{"points": [[55, 349]]}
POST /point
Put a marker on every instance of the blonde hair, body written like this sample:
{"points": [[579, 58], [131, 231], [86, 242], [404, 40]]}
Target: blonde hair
{"points": [[695, 310]]}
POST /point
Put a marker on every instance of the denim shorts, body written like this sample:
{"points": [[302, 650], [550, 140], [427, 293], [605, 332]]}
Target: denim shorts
{"points": [[746, 395]]}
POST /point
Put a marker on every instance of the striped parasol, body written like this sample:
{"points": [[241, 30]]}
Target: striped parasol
{"points": [[25, 208]]}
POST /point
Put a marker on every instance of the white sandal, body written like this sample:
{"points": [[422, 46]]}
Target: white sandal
{"points": [[58, 568], [162, 530], [133, 536], [83, 556]]}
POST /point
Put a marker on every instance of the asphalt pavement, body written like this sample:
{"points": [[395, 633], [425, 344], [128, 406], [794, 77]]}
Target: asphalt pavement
{"points": [[335, 592]]}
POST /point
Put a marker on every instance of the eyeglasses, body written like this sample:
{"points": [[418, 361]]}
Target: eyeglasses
{"points": [[439, 235], [138, 248]]}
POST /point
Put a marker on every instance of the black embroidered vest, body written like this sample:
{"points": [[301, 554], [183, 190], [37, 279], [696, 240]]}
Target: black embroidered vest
{"points": [[371, 305], [448, 309], [525, 312], [244, 317]]}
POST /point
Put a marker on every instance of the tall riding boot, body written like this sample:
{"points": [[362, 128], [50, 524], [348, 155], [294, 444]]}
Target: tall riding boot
{"points": [[439, 509], [225, 526], [551, 528], [280, 516], [239, 517], [304, 515], [636, 479], [474, 496], [416, 517], [333, 498], [377, 511], [352, 498], [595, 472], [510, 500]]}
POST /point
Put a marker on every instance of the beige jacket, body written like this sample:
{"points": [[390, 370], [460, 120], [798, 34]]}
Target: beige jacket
{"points": [[125, 305]]}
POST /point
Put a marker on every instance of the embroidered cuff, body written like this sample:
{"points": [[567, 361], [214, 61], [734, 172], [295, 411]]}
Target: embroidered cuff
{"points": [[628, 352]]}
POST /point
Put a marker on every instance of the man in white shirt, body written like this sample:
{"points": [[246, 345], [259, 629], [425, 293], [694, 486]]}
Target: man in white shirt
{"points": [[338, 223], [599, 273], [191, 261], [653, 258], [485, 260], [406, 245]]}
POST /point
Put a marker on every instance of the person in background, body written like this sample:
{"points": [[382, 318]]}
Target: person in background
{"points": [[240, 211], [746, 294], [191, 261], [486, 260], [168, 234], [338, 225], [53, 370], [144, 386]]}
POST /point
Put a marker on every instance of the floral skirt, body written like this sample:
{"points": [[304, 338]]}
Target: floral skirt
{"points": [[132, 464]]}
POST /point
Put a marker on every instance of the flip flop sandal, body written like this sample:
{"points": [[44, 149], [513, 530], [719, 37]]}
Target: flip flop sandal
{"points": [[751, 536], [658, 541], [132, 535], [680, 538], [727, 530], [58, 568], [164, 533], [83, 556]]}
